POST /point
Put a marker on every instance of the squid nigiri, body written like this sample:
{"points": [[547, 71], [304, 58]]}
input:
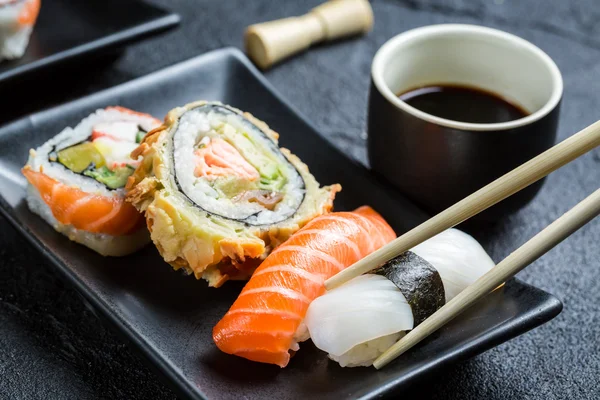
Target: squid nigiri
{"points": [[358, 321], [262, 325]]}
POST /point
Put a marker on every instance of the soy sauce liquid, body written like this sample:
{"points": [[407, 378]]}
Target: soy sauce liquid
{"points": [[463, 103]]}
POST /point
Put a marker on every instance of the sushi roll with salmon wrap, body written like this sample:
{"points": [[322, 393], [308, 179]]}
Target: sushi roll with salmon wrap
{"points": [[219, 194], [77, 178], [17, 18]]}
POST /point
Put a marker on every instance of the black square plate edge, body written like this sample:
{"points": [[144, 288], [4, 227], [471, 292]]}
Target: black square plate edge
{"points": [[114, 40], [121, 38], [529, 321]]}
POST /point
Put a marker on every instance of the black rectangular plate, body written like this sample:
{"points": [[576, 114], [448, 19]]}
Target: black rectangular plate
{"points": [[71, 29], [169, 317]]}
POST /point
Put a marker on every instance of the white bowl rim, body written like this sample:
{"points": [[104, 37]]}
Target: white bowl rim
{"points": [[383, 54]]}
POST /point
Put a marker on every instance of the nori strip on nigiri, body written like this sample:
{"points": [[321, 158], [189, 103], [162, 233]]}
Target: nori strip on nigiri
{"points": [[419, 282]]}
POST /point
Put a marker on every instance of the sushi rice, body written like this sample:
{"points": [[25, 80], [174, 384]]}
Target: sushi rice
{"points": [[363, 354]]}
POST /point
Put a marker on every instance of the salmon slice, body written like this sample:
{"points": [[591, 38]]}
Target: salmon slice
{"points": [[219, 158], [29, 12], [85, 211], [261, 324]]}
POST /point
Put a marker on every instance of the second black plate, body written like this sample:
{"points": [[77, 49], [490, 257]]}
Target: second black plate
{"points": [[169, 317], [67, 30]]}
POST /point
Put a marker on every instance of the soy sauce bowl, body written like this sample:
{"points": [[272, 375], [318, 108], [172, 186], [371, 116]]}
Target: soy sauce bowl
{"points": [[436, 161]]}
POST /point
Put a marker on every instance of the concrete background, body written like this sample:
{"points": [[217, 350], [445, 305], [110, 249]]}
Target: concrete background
{"points": [[51, 346]]}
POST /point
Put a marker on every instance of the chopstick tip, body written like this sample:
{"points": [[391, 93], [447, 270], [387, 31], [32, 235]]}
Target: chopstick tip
{"points": [[380, 362]]}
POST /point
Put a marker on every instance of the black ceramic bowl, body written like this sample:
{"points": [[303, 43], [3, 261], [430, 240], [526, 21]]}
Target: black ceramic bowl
{"points": [[437, 161]]}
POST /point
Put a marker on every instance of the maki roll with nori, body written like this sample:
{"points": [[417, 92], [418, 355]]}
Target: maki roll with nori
{"points": [[76, 181], [219, 194], [17, 18], [358, 321]]}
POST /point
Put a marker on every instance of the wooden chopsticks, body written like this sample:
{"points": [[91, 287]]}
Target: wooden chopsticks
{"points": [[503, 187], [516, 261]]}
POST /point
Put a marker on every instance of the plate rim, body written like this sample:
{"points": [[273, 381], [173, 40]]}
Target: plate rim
{"points": [[164, 369], [552, 309], [123, 37]]}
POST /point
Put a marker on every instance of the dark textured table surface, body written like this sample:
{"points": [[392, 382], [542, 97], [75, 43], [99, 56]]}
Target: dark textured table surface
{"points": [[52, 346]]}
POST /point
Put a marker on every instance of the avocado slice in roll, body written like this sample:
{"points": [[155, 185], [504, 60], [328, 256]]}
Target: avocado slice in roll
{"points": [[218, 193]]}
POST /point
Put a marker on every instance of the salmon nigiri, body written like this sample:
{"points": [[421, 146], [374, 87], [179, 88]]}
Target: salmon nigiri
{"points": [[263, 323]]}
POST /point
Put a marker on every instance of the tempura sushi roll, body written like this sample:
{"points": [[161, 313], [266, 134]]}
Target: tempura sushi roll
{"points": [[76, 181], [358, 321], [219, 194], [17, 18]]}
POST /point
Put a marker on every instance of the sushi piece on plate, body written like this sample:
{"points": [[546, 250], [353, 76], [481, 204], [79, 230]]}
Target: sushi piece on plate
{"points": [[17, 18], [265, 322], [358, 321], [76, 181], [219, 194]]}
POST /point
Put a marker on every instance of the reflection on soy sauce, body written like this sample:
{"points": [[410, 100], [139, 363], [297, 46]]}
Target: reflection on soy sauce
{"points": [[463, 103]]}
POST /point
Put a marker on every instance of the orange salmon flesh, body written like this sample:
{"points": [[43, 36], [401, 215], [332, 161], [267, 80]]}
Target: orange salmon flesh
{"points": [[29, 12], [85, 211]]}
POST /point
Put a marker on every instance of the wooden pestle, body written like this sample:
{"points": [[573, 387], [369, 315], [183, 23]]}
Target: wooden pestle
{"points": [[269, 42]]}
